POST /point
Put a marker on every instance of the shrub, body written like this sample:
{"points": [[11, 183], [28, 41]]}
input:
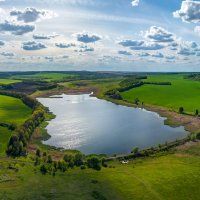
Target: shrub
{"points": [[94, 163]]}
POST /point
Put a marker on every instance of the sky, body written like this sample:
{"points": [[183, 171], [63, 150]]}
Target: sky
{"points": [[100, 35]]}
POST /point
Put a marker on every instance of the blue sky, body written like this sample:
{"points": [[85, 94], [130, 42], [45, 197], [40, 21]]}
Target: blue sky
{"points": [[130, 35]]}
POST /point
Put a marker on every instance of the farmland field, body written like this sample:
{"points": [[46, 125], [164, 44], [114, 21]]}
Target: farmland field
{"points": [[8, 81], [12, 110], [182, 92]]}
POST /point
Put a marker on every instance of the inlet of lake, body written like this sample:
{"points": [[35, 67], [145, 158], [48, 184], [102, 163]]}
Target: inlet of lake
{"points": [[96, 126]]}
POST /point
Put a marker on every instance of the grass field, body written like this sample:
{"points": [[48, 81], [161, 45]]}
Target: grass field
{"points": [[174, 176], [46, 76], [8, 81], [182, 92], [12, 110], [4, 138]]}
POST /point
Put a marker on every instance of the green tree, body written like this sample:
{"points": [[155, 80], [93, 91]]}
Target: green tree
{"points": [[197, 112], [181, 110], [38, 152], [43, 169], [136, 101], [49, 159], [94, 163], [135, 150]]}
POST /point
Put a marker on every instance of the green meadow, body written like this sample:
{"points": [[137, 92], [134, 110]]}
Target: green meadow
{"points": [[4, 138], [8, 81], [182, 92], [12, 110], [171, 177], [46, 76]]}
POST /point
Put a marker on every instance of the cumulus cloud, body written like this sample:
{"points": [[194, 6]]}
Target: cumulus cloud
{"points": [[130, 43], [32, 14], [143, 54], [126, 53], [159, 34], [7, 54], [87, 37], [33, 46], [64, 45], [43, 37], [85, 49], [141, 45], [189, 11], [148, 46], [186, 51], [170, 57], [16, 28], [157, 55], [135, 2], [2, 43]]}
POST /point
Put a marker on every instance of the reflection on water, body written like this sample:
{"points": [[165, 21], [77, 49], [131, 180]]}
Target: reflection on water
{"points": [[97, 126]]}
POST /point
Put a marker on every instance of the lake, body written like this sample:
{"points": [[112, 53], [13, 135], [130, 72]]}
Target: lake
{"points": [[96, 126]]}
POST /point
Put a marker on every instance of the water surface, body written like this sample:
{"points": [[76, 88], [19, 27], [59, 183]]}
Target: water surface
{"points": [[97, 126]]}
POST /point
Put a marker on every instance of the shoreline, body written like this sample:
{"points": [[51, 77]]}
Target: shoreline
{"points": [[173, 119]]}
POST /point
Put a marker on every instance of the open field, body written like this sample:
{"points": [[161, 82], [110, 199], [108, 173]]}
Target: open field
{"points": [[8, 81], [12, 110], [4, 138], [46, 76], [182, 92], [151, 178]]}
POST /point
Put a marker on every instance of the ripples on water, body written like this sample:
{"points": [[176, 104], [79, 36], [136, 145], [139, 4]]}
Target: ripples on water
{"points": [[97, 126]]}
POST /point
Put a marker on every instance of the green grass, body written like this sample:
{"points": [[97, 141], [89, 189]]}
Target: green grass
{"points": [[46, 76], [8, 81], [173, 176], [12, 110], [4, 137], [182, 92]]}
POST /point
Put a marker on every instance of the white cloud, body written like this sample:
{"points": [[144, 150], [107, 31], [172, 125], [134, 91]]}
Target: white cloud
{"points": [[189, 11], [16, 28], [44, 37], [135, 2], [7, 54], [33, 46], [65, 45], [126, 53], [87, 37], [159, 34], [32, 14]]}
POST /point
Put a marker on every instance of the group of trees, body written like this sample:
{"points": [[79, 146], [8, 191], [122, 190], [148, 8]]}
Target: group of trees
{"points": [[19, 140], [48, 165], [182, 111]]}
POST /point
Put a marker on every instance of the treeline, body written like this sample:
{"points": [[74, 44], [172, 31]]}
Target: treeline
{"points": [[19, 140], [158, 83], [69, 161]]}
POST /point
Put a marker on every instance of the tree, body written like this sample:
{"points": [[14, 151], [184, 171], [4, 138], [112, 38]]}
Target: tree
{"points": [[38, 152], [197, 112], [136, 101], [181, 110], [135, 150], [94, 163], [49, 159], [78, 160], [43, 169]]}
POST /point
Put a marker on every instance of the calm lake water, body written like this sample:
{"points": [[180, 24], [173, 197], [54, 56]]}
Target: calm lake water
{"points": [[97, 126]]}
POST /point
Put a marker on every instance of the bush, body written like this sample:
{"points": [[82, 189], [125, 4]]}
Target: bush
{"points": [[43, 169], [94, 163], [181, 110]]}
